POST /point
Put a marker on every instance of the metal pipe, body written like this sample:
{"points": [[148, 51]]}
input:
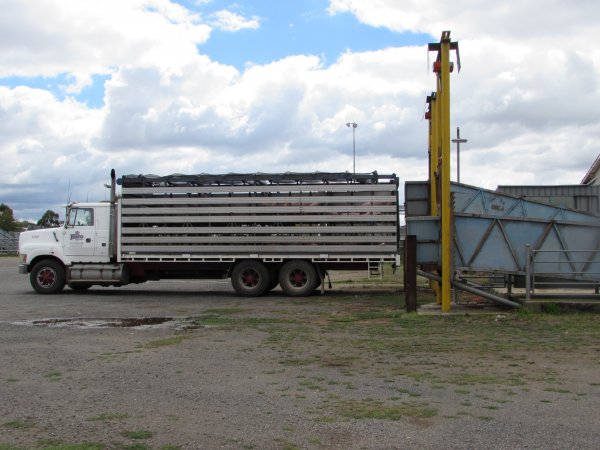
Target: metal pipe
{"points": [[471, 290], [527, 272], [458, 141], [434, 158], [353, 125], [112, 229], [574, 297]]}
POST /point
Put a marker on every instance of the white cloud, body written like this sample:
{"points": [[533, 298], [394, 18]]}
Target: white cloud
{"points": [[551, 20], [229, 21], [84, 37], [44, 143]]}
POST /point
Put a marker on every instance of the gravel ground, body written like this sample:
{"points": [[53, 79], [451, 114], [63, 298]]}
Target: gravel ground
{"points": [[347, 370]]}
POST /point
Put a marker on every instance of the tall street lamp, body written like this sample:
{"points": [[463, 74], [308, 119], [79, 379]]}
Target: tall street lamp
{"points": [[458, 141], [353, 125]]}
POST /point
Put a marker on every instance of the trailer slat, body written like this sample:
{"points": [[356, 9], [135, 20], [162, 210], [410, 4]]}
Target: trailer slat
{"points": [[258, 249], [217, 240], [261, 230], [307, 200], [275, 188], [293, 209], [323, 219]]}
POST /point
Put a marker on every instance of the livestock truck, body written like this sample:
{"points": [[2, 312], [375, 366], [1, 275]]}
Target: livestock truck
{"points": [[260, 230]]}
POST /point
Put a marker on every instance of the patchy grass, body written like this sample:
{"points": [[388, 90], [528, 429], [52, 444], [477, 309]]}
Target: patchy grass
{"points": [[338, 361], [53, 376], [312, 384], [111, 356], [137, 434], [19, 424], [166, 342], [108, 417], [9, 447], [50, 444], [136, 446], [558, 390], [373, 409], [224, 311], [289, 446], [215, 320]]}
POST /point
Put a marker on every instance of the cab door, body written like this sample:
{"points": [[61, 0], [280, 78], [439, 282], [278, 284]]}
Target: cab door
{"points": [[80, 233]]}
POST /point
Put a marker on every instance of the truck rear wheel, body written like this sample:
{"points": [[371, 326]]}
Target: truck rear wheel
{"points": [[47, 277], [250, 279], [298, 278]]}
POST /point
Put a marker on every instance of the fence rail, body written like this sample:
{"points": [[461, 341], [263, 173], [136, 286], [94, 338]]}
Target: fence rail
{"points": [[9, 243], [562, 268]]}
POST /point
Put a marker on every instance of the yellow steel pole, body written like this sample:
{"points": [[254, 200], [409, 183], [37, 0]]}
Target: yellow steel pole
{"points": [[433, 169], [446, 233], [434, 153], [438, 167]]}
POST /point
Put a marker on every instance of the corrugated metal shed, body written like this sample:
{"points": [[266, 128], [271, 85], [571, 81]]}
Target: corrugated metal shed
{"points": [[580, 197]]}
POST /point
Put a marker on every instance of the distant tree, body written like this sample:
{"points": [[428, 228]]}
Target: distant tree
{"points": [[49, 219], [7, 220]]}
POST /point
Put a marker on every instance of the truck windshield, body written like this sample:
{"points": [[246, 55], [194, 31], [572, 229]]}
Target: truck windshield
{"points": [[81, 217]]}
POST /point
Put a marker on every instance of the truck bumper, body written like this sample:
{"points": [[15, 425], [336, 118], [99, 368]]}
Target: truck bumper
{"points": [[23, 268]]}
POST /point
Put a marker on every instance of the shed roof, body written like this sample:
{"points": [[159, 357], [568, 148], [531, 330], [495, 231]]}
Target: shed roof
{"points": [[591, 174]]}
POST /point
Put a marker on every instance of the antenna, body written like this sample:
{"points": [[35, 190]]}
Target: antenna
{"points": [[69, 192]]}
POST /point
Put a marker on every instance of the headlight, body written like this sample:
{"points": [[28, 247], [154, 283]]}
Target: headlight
{"points": [[22, 258]]}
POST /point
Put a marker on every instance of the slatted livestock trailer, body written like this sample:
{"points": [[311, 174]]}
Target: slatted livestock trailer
{"points": [[260, 230]]}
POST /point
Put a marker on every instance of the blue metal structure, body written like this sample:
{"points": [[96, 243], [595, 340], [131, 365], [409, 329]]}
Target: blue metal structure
{"points": [[497, 232]]}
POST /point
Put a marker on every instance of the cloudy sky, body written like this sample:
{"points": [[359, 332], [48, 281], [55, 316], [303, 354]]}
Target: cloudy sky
{"points": [[217, 86]]}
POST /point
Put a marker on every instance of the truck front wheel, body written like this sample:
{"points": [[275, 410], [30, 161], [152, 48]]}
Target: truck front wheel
{"points": [[250, 279], [298, 278], [47, 277]]}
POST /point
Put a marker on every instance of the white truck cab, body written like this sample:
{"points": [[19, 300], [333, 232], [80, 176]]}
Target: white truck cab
{"points": [[85, 235], [84, 238]]}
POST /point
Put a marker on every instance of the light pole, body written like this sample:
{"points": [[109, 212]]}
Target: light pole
{"points": [[458, 141], [353, 125]]}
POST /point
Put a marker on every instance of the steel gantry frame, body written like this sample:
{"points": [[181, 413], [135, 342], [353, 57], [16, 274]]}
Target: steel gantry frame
{"points": [[457, 229]]}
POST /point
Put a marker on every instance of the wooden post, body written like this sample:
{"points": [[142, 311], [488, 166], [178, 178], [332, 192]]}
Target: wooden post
{"points": [[410, 273]]}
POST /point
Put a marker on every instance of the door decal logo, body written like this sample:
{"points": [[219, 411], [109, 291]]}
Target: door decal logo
{"points": [[77, 236]]}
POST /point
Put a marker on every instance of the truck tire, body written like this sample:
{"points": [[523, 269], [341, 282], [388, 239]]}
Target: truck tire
{"points": [[298, 278], [250, 278], [47, 277]]}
